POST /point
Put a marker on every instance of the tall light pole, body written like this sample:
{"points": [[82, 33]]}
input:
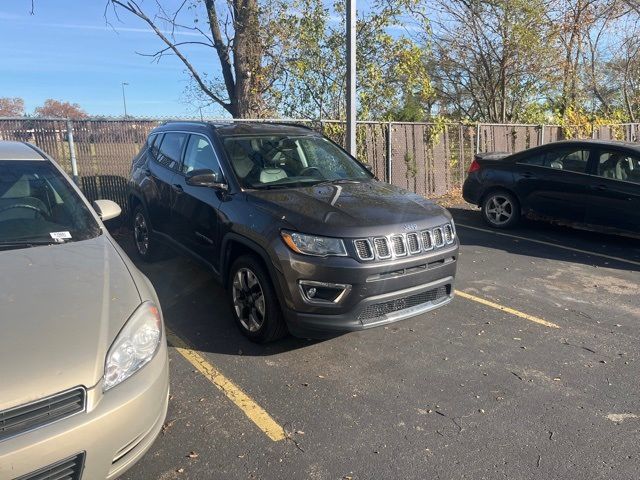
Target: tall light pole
{"points": [[351, 76], [124, 99]]}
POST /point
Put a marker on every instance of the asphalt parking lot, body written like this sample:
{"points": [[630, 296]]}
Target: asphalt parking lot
{"points": [[532, 372]]}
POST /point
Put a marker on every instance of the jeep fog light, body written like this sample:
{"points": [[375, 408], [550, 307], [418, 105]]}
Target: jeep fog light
{"points": [[323, 292]]}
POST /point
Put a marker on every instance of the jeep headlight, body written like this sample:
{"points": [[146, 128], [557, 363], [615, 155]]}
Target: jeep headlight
{"points": [[314, 244], [134, 346]]}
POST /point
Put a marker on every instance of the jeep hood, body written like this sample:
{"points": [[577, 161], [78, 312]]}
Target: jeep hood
{"points": [[61, 307], [350, 209]]}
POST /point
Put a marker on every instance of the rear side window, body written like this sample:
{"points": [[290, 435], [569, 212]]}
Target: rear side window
{"points": [[619, 165], [572, 159], [171, 149]]}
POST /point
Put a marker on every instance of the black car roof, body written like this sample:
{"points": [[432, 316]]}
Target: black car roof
{"points": [[237, 128], [610, 143]]}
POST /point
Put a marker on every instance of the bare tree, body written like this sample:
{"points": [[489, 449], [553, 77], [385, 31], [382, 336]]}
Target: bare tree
{"points": [[233, 34], [489, 59]]}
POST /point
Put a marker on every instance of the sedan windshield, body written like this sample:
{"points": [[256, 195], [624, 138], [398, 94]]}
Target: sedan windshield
{"points": [[285, 161], [38, 206]]}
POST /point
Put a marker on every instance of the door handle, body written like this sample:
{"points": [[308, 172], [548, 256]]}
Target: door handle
{"points": [[599, 187], [527, 175], [177, 188]]}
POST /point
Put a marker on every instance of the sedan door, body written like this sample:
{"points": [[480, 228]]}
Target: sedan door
{"points": [[615, 189], [554, 181], [196, 208]]}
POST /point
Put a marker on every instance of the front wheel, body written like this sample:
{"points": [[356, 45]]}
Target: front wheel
{"points": [[254, 303], [501, 209]]}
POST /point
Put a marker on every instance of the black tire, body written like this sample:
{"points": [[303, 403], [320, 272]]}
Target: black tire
{"points": [[501, 209], [142, 236], [245, 300]]}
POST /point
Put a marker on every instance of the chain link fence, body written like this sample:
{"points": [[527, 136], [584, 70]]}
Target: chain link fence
{"points": [[430, 159]]}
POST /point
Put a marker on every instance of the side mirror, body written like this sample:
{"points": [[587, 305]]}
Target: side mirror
{"points": [[107, 209], [205, 178]]}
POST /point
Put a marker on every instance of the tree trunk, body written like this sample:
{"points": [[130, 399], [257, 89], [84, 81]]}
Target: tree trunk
{"points": [[246, 101]]}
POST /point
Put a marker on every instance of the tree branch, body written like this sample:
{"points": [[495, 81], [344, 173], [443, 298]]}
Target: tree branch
{"points": [[132, 7]]}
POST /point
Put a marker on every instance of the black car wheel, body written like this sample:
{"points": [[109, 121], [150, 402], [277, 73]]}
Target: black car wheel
{"points": [[254, 302], [501, 209], [145, 246]]}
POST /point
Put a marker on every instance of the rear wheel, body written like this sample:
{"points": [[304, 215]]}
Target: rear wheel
{"points": [[254, 303], [501, 209], [145, 246]]}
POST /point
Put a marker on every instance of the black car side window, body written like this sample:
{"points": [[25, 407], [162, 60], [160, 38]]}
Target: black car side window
{"points": [[619, 165], [570, 159], [171, 149], [200, 155]]}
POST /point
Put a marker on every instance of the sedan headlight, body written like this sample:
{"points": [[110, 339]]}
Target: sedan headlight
{"points": [[134, 346], [313, 244]]}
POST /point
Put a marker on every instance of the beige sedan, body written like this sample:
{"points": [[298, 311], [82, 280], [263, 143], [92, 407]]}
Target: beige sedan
{"points": [[83, 357]]}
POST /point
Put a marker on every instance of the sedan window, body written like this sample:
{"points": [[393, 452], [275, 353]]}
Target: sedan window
{"points": [[572, 159], [619, 165], [37, 206]]}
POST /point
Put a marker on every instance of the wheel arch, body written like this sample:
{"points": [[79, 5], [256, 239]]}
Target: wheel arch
{"points": [[500, 188]]}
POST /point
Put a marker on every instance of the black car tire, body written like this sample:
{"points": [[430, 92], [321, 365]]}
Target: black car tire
{"points": [[253, 300], [146, 248], [501, 209]]}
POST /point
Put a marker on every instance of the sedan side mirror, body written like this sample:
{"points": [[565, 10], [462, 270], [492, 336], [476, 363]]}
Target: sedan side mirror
{"points": [[205, 178], [107, 209]]}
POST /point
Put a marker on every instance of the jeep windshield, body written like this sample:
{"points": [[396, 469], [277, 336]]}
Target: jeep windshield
{"points": [[39, 207], [268, 161]]}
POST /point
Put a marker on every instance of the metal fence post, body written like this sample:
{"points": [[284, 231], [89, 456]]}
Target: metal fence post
{"points": [[477, 138], [542, 127], [389, 166], [72, 153]]}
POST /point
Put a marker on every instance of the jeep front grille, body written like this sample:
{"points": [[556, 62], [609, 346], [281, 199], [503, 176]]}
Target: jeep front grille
{"points": [[401, 245], [413, 242], [438, 237], [363, 249], [382, 248], [448, 233]]}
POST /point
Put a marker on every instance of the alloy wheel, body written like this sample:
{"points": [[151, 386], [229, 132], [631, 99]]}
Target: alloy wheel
{"points": [[499, 209], [248, 300], [141, 234]]}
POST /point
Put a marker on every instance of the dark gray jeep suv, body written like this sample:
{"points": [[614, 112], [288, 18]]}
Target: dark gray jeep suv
{"points": [[301, 234]]}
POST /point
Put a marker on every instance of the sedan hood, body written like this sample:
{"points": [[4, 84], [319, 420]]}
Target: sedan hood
{"points": [[61, 307], [350, 209]]}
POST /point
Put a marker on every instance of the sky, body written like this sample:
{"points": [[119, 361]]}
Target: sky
{"points": [[66, 51]]}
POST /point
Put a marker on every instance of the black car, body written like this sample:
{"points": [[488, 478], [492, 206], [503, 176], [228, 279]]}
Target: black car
{"points": [[587, 182], [303, 236]]}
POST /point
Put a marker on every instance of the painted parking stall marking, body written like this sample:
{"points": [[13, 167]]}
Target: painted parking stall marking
{"points": [[505, 309], [249, 407], [550, 244]]}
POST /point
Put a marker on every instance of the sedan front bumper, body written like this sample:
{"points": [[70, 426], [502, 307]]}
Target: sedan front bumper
{"points": [[116, 429]]}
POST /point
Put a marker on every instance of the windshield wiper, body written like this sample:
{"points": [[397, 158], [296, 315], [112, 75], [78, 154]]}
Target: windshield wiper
{"points": [[337, 181], [27, 244]]}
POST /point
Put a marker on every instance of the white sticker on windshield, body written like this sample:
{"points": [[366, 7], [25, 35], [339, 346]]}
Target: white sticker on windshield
{"points": [[60, 235]]}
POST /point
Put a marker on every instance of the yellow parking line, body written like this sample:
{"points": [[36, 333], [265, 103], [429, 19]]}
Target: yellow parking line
{"points": [[550, 244], [250, 408], [502, 308]]}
